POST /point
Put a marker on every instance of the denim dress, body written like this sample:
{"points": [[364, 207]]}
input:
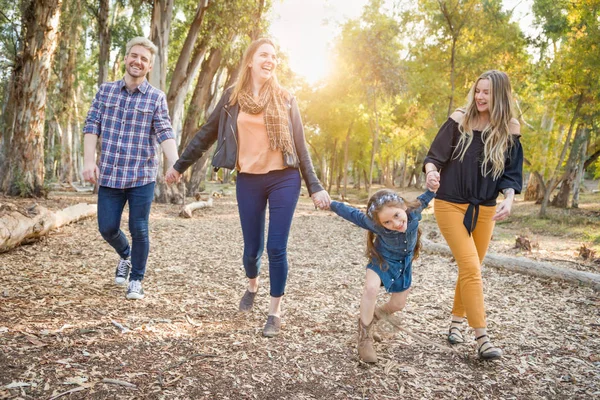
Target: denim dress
{"points": [[396, 248]]}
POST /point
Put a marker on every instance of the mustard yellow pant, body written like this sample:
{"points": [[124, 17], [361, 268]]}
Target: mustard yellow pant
{"points": [[468, 251]]}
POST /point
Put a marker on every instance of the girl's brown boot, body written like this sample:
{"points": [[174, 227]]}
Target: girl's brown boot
{"points": [[366, 351]]}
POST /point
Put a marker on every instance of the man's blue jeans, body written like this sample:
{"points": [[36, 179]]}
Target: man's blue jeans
{"points": [[110, 209], [281, 190]]}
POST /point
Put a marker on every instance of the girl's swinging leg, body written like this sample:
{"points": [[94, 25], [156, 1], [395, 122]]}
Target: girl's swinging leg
{"points": [[366, 322]]}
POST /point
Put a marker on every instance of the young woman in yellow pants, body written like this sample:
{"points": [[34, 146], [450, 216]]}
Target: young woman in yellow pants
{"points": [[475, 156]]}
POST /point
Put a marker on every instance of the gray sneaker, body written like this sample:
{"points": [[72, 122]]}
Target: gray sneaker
{"points": [[122, 271], [135, 290], [272, 327]]}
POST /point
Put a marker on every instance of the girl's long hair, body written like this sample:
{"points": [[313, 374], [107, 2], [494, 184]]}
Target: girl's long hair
{"points": [[496, 136], [374, 206], [246, 74]]}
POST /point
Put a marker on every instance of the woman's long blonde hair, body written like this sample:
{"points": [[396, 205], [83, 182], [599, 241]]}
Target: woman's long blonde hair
{"points": [[496, 135], [246, 74]]}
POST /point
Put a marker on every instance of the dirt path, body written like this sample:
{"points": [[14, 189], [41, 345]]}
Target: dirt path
{"points": [[59, 313]]}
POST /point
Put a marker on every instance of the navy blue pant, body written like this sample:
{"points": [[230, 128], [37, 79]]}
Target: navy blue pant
{"points": [[280, 189], [110, 209]]}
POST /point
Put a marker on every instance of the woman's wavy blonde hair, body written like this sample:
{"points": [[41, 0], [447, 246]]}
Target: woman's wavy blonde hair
{"points": [[496, 136], [246, 74]]}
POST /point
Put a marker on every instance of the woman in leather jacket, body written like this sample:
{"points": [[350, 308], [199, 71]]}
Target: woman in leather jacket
{"points": [[259, 133]]}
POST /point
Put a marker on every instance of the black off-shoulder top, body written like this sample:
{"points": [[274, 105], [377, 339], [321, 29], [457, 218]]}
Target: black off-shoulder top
{"points": [[462, 182]]}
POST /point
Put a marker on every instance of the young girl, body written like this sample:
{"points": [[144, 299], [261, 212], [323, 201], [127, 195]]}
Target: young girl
{"points": [[392, 244]]}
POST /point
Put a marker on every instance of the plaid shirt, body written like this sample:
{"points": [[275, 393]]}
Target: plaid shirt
{"points": [[130, 126]]}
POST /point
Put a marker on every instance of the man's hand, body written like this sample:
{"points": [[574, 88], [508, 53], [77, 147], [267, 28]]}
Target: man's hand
{"points": [[91, 173], [172, 176]]}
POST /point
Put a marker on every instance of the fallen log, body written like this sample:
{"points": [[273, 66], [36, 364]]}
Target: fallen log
{"points": [[37, 221], [186, 211], [526, 266]]}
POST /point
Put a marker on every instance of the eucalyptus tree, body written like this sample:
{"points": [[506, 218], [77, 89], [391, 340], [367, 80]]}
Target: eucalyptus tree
{"points": [[570, 79], [370, 46], [25, 172], [10, 71]]}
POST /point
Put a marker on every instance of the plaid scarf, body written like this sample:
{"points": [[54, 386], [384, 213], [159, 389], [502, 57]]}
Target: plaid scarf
{"points": [[275, 115]]}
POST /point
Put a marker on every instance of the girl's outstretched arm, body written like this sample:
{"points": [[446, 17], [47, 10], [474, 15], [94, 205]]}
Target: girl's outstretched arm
{"points": [[354, 215], [425, 199]]}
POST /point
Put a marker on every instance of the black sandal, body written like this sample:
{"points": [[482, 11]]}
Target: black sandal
{"points": [[490, 352], [454, 334]]}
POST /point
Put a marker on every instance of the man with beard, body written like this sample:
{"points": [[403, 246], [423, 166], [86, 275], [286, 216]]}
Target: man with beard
{"points": [[131, 118]]}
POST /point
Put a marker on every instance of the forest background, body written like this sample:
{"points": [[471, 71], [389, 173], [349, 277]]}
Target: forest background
{"points": [[398, 71]]}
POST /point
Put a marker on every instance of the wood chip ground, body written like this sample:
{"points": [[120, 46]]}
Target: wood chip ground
{"points": [[66, 331]]}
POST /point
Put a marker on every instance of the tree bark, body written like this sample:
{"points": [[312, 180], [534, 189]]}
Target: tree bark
{"points": [[579, 174], [195, 114], [551, 184], [26, 165], [70, 22], [375, 144], [7, 120], [535, 188], [103, 41], [17, 227], [188, 209], [561, 199], [160, 28], [345, 164], [332, 166], [187, 66]]}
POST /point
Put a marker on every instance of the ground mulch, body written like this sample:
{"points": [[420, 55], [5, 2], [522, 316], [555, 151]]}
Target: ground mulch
{"points": [[66, 331]]}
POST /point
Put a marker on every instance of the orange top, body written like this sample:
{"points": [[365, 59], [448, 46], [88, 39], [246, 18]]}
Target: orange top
{"points": [[254, 154]]}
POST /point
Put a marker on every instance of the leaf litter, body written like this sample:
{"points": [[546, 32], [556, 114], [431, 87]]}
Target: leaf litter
{"points": [[64, 323]]}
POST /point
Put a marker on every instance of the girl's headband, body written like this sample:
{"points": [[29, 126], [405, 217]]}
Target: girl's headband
{"points": [[386, 198]]}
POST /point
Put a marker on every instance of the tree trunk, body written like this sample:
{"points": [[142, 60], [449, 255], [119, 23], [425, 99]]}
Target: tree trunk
{"points": [[452, 76], [8, 119], [188, 209], [551, 184], [345, 164], [561, 199], [195, 111], [78, 160], [70, 23], [103, 41], [26, 165], [17, 227], [579, 175], [160, 28], [535, 188], [375, 144], [187, 66], [195, 114], [332, 166]]}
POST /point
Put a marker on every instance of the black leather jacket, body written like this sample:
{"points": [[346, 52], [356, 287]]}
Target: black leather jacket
{"points": [[222, 126]]}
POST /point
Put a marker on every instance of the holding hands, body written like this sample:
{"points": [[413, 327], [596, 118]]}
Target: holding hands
{"points": [[172, 176], [321, 199], [432, 180]]}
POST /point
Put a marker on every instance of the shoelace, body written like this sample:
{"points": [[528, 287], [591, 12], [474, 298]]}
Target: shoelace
{"points": [[135, 286], [123, 266]]}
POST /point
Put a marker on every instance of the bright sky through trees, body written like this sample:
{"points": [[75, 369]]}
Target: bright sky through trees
{"points": [[305, 28]]}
